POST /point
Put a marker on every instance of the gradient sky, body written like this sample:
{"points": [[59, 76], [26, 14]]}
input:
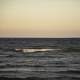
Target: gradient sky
{"points": [[39, 18]]}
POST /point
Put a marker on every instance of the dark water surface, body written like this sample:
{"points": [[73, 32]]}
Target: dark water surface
{"points": [[53, 59]]}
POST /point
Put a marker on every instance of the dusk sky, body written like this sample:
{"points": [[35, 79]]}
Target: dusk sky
{"points": [[40, 18]]}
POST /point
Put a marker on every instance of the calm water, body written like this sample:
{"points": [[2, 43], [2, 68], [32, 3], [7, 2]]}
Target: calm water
{"points": [[45, 58]]}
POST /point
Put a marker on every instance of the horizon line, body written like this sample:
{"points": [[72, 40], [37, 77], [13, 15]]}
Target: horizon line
{"points": [[36, 37]]}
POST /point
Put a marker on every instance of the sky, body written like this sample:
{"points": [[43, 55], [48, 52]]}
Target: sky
{"points": [[40, 18]]}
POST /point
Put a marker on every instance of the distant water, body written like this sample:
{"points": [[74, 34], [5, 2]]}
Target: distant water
{"points": [[40, 57]]}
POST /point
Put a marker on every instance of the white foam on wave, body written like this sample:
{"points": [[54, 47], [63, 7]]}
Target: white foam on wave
{"points": [[35, 50]]}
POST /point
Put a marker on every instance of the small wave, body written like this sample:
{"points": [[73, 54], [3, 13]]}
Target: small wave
{"points": [[29, 78], [71, 49], [29, 49], [4, 55], [35, 50], [37, 69], [39, 78], [71, 72]]}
